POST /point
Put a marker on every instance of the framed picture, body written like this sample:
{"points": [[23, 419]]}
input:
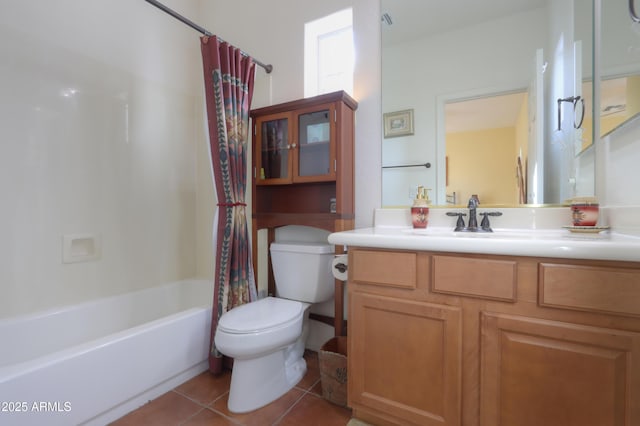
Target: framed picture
{"points": [[399, 123]]}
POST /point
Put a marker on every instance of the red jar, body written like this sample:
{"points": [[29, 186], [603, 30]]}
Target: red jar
{"points": [[584, 211]]}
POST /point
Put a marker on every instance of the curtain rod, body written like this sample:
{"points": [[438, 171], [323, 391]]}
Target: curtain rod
{"points": [[267, 67]]}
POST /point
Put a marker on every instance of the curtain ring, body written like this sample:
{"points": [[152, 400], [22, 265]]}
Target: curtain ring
{"points": [[575, 103]]}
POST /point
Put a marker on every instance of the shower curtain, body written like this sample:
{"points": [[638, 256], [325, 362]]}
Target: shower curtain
{"points": [[228, 78]]}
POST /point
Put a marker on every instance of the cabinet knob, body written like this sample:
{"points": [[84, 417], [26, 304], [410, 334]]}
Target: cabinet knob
{"points": [[293, 146]]}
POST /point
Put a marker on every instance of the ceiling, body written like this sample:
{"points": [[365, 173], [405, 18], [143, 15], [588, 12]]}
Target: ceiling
{"points": [[486, 113]]}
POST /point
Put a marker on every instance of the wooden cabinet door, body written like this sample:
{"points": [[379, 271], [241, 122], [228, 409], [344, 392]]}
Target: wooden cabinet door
{"points": [[314, 146], [404, 360], [540, 372], [297, 146], [273, 149]]}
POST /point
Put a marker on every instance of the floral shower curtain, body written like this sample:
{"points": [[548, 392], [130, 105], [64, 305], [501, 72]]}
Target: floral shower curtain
{"points": [[228, 77]]}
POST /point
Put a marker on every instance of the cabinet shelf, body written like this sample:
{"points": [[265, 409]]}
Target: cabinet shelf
{"points": [[313, 197], [326, 221]]}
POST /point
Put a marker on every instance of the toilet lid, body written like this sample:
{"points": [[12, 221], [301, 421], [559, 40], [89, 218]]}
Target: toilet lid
{"points": [[262, 315]]}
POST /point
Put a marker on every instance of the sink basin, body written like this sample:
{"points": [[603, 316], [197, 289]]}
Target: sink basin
{"points": [[499, 233]]}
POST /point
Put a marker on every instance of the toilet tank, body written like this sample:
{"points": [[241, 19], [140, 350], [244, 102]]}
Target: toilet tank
{"points": [[302, 271]]}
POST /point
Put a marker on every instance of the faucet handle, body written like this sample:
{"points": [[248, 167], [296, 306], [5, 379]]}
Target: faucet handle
{"points": [[459, 222], [485, 220]]}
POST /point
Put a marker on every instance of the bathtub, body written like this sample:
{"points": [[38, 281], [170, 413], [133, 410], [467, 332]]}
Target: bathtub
{"points": [[94, 362]]}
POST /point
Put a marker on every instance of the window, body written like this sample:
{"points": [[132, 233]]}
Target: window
{"points": [[329, 55]]}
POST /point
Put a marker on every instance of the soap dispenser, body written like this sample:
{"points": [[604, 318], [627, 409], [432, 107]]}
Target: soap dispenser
{"points": [[420, 208]]}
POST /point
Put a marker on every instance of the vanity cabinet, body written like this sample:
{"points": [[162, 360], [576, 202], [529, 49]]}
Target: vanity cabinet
{"points": [[465, 339], [303, 170]]}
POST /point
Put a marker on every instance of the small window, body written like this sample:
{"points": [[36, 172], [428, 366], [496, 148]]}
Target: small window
{"points": [[329, 55]]}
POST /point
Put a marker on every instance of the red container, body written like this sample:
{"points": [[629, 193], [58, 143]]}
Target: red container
{"points": [[420, 216], [584, 211]]}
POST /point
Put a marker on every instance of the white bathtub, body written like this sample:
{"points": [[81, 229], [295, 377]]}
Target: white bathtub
{"points": [[94, 362]]}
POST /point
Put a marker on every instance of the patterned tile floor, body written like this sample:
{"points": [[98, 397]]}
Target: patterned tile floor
{"points": [[203, 401]]}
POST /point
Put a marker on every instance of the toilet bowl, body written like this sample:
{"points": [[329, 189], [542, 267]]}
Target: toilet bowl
{"points": [[267, 338]]}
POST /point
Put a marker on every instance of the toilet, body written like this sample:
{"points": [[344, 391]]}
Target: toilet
{"points": [[266, 338]]}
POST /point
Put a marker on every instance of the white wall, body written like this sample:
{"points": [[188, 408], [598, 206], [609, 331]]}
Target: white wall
{"points": [[115, 159], [621, 152]]}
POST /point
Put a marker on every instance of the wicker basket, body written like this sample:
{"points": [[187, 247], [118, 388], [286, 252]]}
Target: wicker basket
{"points": [[333, 370]]}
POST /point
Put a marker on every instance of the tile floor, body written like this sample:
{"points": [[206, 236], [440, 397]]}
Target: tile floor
{"points": [[203, 401]]}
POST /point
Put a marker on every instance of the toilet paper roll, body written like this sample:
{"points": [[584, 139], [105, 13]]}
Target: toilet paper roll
{"points": [[339, 267]]}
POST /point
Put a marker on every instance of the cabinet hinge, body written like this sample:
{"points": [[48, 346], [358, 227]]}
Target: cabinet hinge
{"points": [[335, 116], [255, 175], [335, 165]]}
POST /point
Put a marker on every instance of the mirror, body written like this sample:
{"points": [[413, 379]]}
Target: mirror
{"points": [[435, 55], [620, 64]]}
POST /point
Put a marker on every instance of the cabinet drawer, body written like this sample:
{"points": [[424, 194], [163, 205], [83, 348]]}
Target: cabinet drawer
{"points": [[590, 288], [486, 278], [396, 269]]}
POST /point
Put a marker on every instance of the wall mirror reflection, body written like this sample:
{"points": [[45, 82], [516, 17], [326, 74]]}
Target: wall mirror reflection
{"points": [[486, 148], [619, 105], [436, 56]]}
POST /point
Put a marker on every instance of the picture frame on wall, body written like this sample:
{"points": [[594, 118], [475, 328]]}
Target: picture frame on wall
{"points": [[398, 123]]}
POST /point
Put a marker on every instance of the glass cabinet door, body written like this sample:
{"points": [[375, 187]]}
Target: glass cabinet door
{"points": [[314, 144], [274, 151]]}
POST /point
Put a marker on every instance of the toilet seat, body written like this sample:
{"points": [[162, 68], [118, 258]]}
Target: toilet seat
{"points": [[263, 315]]}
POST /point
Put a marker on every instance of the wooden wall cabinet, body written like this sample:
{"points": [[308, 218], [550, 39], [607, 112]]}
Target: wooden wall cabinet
{"points": [[296, 146], [303, 160], [462, 339]]}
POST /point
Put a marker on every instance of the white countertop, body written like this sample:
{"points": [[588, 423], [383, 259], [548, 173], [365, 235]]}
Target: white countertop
{"points": [[542, 236], [538, 232], [558, 243]]}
